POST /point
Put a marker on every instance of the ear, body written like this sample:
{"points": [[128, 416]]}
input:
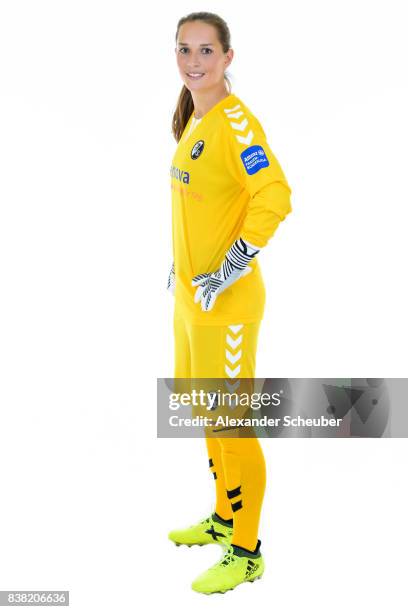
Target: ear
{"points": [[229, 57]]}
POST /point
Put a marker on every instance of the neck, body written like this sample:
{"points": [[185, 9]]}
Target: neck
{"points": [[204, 100]]}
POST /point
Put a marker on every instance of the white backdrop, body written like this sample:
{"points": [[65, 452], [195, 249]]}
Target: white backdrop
{"points": [[87, 92]]}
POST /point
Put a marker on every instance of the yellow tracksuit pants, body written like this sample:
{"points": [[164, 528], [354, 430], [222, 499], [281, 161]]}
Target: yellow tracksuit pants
{"points": [[227, 352]]}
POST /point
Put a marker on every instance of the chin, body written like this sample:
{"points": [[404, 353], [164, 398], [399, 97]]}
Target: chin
{"points": [[193, 86]]}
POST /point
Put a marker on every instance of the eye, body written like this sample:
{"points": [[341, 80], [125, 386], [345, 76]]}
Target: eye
{"points": [[207, 49], [181, 49]]}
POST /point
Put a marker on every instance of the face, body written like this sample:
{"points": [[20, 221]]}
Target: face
{"points": [[200, 58]]}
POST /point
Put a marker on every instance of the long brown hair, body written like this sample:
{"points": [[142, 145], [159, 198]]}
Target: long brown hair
{"points": [[185, 104]]}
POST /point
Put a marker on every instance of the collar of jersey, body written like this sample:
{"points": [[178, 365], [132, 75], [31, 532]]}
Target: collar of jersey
{"points": [[213, 108]]}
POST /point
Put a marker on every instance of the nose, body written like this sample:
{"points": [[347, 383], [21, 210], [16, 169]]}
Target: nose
{"points": [[194, 59]]}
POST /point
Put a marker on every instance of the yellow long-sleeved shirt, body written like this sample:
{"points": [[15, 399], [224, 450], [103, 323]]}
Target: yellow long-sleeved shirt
{"points": [[226, 183]]}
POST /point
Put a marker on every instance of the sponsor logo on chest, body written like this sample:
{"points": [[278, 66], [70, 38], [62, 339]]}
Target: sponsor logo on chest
{"points": [[181, 175]]}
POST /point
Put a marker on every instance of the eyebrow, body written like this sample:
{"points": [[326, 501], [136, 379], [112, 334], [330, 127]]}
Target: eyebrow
{"points": [[202, 44]]}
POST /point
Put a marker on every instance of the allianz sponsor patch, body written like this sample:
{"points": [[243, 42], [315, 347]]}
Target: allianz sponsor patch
{"points": [[254, 158]]}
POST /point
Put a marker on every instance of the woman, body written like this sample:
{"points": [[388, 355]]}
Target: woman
{"points": [[229, 194]]}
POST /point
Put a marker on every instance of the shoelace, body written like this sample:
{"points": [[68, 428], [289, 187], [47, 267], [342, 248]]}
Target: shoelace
{"points": [[227, 559]]}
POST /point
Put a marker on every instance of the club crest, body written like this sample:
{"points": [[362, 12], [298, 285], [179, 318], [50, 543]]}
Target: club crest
{"points": [[197, 149]]}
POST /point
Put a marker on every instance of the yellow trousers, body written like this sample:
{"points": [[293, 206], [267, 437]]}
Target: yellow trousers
{"points": [[227, 352]]}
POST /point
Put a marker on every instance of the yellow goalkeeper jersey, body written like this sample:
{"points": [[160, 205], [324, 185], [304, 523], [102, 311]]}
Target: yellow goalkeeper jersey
{"points": [[226, 183]]}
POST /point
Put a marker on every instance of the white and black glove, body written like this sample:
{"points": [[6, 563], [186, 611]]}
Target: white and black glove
{"points": [[171, 282], [235, 265]]}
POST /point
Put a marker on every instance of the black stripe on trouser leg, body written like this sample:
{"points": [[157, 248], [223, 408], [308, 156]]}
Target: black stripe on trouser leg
{"points": [[211, 464], [236, 506], [234, 492]]}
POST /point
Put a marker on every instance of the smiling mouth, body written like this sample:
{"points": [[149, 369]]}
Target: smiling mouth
{"points": [[195, 75]]}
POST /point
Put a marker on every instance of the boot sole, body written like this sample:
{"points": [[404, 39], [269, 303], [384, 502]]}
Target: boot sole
{"points": [[225, 544], [232, 588]]}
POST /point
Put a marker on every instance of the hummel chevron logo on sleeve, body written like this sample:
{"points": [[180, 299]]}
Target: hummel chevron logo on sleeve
{"points": [[231, 110], [248, 137], [245, 139], [240, 126]]}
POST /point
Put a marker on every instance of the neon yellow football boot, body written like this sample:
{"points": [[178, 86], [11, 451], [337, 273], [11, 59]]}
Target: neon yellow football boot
{"points": [[236, 566], [211, 530]]}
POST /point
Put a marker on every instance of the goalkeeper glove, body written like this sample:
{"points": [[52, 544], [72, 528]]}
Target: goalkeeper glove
{"points": [[171, 282], [234, 265]]}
